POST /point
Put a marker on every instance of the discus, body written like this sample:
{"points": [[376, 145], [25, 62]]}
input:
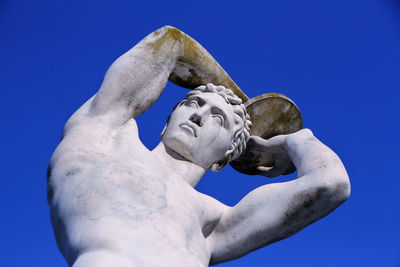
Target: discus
{"points": [[271, 114]]}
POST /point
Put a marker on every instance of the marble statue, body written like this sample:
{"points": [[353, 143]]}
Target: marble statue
{"points": [[114, 203]]}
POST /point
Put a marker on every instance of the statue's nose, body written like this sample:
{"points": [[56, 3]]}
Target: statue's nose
{"points": [[196, 118]]}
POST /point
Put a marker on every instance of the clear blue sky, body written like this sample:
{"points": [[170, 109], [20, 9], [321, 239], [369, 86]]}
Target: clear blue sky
{"points": [[338, 60]]}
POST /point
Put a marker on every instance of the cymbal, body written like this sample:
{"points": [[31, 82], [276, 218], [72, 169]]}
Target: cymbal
{"points": [[271, 114]]}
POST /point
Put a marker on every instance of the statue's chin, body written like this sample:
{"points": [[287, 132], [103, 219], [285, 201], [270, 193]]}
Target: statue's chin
{"points": [[175, 153], [179, 150]]}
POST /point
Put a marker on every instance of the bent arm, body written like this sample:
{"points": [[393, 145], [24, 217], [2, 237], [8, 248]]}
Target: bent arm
{"points": [[135, 80], [276, 211]]}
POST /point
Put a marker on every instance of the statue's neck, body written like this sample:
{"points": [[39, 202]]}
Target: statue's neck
{"points": [[178, 167]]}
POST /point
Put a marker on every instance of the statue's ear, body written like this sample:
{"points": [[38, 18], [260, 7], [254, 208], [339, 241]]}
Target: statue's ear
{"points": [[218, 166], [163, 131]]}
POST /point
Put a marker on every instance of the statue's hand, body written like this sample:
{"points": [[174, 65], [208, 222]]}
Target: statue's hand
{"points": [[271, 157]]}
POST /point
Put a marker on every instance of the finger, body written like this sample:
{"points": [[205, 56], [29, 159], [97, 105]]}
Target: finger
{"points": [[256, 142], [258, 146], [276, 141], [270, 172]]}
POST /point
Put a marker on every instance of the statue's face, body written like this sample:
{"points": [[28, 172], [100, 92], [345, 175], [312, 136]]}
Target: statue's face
{"points": [[201, 129]]}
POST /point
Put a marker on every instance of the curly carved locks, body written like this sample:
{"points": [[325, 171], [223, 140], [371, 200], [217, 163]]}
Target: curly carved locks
{"points": [[241, 135]]}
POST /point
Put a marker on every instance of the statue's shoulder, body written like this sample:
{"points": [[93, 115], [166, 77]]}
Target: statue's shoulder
{"points": [[89, 128]]}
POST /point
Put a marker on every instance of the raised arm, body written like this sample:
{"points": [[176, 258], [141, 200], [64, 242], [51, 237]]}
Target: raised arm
{"points": [[135, 80], [275, 211]]}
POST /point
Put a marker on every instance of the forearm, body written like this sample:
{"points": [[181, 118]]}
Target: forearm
{"points": [[195, 67], [278, 210]]}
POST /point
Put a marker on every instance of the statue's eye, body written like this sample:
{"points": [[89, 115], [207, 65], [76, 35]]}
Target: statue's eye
{"points": [[218, 118], [193, 104]]}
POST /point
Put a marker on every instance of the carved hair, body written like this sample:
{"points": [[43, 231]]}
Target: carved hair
{"points": [[241, 135]]}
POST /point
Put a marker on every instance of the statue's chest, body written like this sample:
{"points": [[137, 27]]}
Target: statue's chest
{"points": [[139, 188]]}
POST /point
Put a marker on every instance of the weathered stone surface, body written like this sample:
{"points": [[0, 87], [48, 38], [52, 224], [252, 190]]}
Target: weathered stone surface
{"points": [[115, 203]]}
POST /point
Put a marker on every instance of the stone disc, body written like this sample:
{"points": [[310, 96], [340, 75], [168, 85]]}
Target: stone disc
{"points": [[271, 114]]}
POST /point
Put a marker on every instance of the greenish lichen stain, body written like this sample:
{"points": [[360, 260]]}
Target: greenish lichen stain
{"points": [[193, 54]]}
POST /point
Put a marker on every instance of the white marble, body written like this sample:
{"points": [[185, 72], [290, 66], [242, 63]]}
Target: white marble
{"points": [[115, 203]]}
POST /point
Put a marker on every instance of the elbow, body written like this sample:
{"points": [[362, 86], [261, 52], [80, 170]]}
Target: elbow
{"points": [[167, 27], [342, 191], [334, 188], [339, 188], [169, 31], [336, 179]]}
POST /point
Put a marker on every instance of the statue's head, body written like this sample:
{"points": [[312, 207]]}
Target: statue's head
{"points": [[210, 127]]}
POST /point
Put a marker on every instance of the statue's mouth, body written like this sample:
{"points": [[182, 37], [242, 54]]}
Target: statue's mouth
{"points": [[189, 127]]}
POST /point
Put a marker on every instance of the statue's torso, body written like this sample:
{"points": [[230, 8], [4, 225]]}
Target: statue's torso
{"points": [[110, 193]]}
